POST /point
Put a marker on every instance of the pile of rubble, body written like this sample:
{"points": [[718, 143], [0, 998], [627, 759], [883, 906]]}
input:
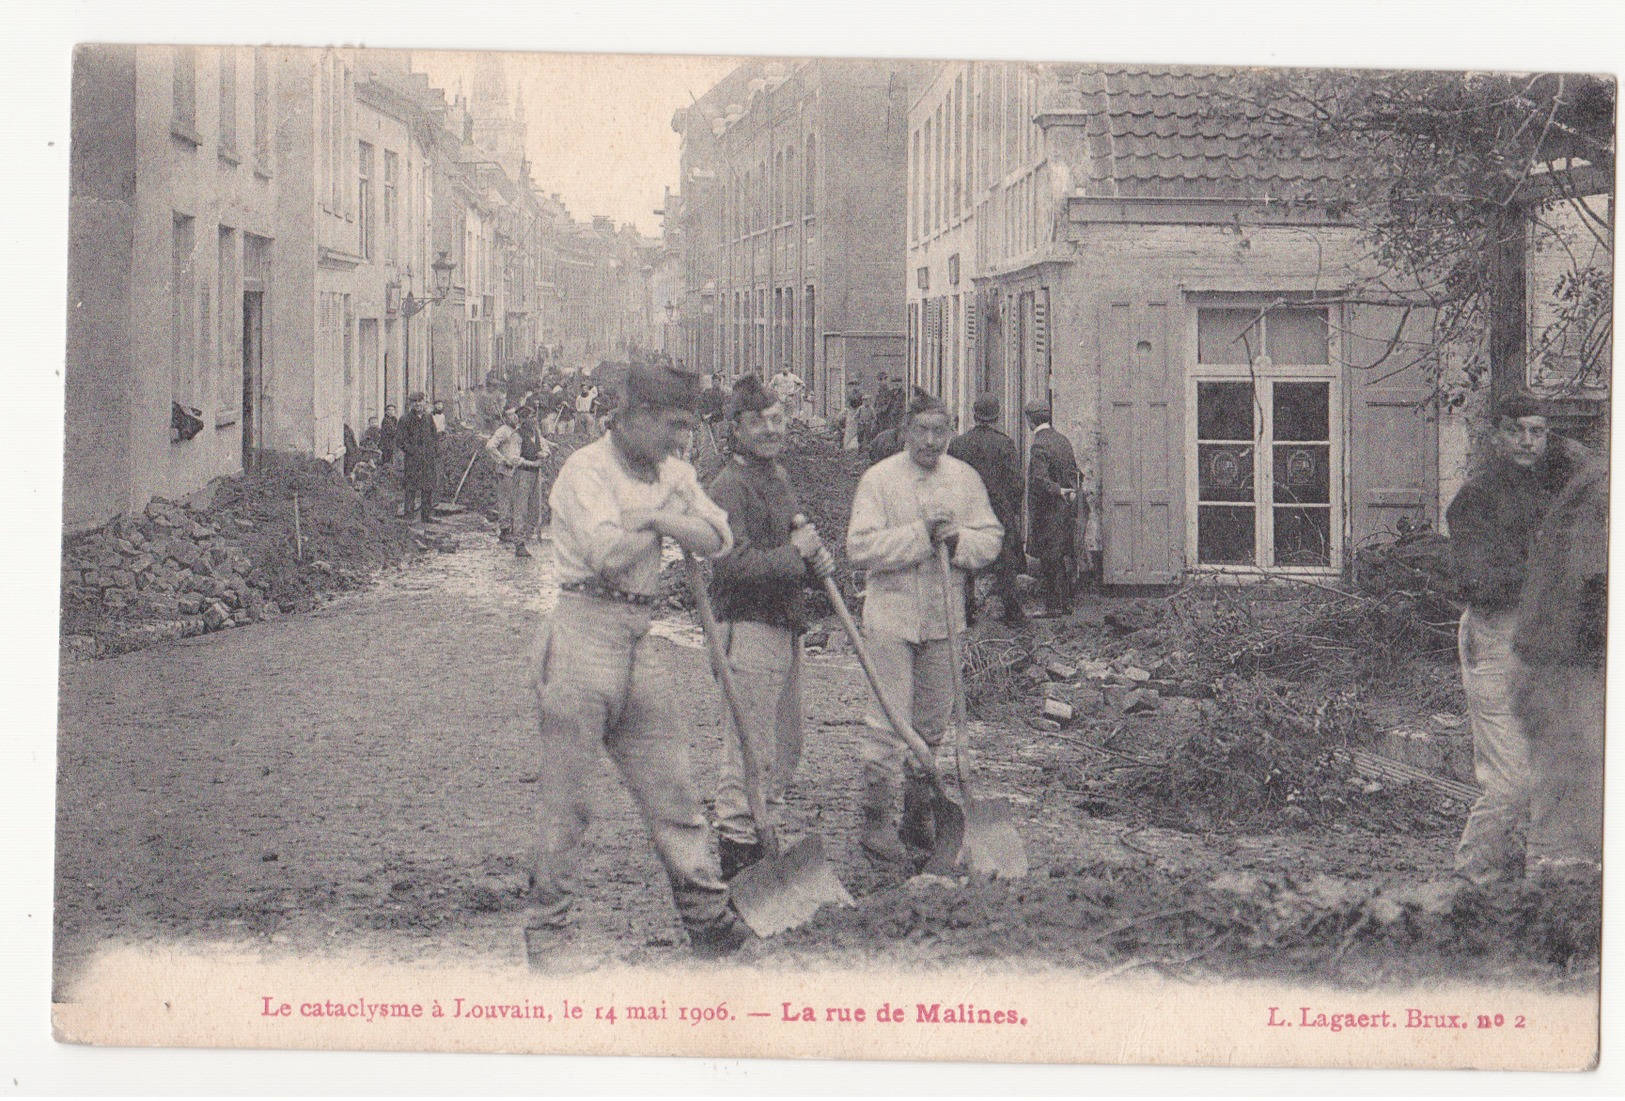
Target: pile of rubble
{"points": [[1125, 685], [240, 552]]}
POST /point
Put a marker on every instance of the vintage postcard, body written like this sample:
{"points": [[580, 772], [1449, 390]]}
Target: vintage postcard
{"points": [[1001, 561]]}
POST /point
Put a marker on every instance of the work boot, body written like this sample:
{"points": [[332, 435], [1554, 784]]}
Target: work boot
{"points": [[736, 856], [919, 819], [880, 838], [505, 535], [724, 936], [520, 550]]}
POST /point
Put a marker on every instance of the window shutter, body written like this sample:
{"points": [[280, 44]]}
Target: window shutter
{"points": [[1142, 444], [1393, 461]]}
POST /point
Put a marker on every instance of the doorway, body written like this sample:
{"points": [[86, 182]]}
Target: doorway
{"points": [[253, 376]]}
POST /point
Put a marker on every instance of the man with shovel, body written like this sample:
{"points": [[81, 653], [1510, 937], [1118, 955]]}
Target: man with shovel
{"points": [[596, 687], [905, 506], [760, 593]]}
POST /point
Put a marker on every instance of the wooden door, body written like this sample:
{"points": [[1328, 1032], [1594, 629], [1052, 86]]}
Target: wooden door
{"points": [[1142, 535]]}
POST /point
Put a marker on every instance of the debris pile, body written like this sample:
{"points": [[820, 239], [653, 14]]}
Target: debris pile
{"points": [[1273, 756], [1236, 924], [224, 558]]}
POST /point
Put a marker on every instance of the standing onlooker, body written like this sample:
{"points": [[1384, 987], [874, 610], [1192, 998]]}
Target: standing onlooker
{"points": [[857, 420], [439, 417], [586, 397], [527, 483], [504, 451], [1052, 507], [1493, 521], [369, 438], [489, 402], [995, 457], [760, 593], [789, 387], [419, 447], [889, 403], [389, 430], [352, 451], [904, 507]]}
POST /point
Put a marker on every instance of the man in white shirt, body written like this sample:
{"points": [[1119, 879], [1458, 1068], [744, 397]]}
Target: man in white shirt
{"points": [[789, 388], [904, 507], [613, 502], [503, 451]]}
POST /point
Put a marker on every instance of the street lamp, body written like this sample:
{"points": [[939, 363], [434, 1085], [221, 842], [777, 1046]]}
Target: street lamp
{"points": [[412, 306]]}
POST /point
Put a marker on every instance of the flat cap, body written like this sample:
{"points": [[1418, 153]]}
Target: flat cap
{"points": [[1037, 406]]}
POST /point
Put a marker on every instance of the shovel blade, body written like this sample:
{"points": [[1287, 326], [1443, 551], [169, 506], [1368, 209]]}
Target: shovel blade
{"points": [[783, 892], [993, 849]]}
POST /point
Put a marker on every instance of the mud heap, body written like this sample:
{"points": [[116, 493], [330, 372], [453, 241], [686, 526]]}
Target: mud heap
{"points": [[224, 558]]}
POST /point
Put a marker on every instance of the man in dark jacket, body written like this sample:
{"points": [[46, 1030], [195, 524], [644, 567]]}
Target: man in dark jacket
{"points": [[994, 456], [888, 404], [389, 430], [1052, 505], [1493, 521], [759, 589], [419, 445]]}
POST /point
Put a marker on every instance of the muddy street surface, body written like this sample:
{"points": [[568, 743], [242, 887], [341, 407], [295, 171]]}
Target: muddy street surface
{"points": [[360, 780]]}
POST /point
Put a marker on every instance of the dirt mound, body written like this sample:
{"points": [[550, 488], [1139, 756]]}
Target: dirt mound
{"points": [[225, 558], [1236, 924]]}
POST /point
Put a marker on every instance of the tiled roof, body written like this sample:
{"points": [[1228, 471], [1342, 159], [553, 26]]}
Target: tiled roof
{"points": [[1184, 133]]}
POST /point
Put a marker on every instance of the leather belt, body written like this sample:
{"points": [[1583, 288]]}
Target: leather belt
{"points": [[593, 587]]}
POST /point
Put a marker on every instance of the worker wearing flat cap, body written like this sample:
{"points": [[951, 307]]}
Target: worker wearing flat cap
{"points": [[1052, 507], [995, 457], [596, 686], [420, 450]]}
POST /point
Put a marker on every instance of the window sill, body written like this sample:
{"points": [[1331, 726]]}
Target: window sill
{"points": [[229, 155], [180, 128], [225, 418]]}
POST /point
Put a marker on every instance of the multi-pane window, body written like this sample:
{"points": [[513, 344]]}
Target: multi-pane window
{"points": [[1266, 476], [228, 100], [809, 171], [364, 216], [917, 175]]}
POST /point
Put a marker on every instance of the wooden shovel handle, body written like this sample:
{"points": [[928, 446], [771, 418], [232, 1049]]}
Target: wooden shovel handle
{"points": [[961, 739], [730, 694]]}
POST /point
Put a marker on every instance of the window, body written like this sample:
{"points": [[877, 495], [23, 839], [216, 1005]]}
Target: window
{"points": [[183, 99], [182, 321], [262, 112], [228, 103], [809, 171], [778, 188], [392, 216], [956, 107], [1266, 479], [364, 217], [930, 180]]}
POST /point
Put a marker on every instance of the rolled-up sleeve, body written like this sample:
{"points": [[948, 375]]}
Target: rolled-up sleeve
{"points": [[698, 504]]}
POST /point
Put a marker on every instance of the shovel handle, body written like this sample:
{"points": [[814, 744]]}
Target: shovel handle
{"points": [[730, 695], [916, 744], [961, 741]]}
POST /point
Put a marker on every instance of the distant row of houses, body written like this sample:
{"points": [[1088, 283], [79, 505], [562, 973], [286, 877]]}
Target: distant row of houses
{"points": [[1097, 237], [276, 243]]}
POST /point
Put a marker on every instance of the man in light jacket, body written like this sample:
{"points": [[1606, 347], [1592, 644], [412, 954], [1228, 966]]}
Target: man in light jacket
{"points": [[904, 507], [503, 451]]}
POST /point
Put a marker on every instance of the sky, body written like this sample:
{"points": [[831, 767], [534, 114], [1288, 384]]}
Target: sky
{"points": [[599, 125]]}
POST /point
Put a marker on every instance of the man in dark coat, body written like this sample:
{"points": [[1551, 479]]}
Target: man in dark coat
{"points": [[995, 457], [389, 430], [1494, 520], [420, 446], [888, 404], [1052, 504]]}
